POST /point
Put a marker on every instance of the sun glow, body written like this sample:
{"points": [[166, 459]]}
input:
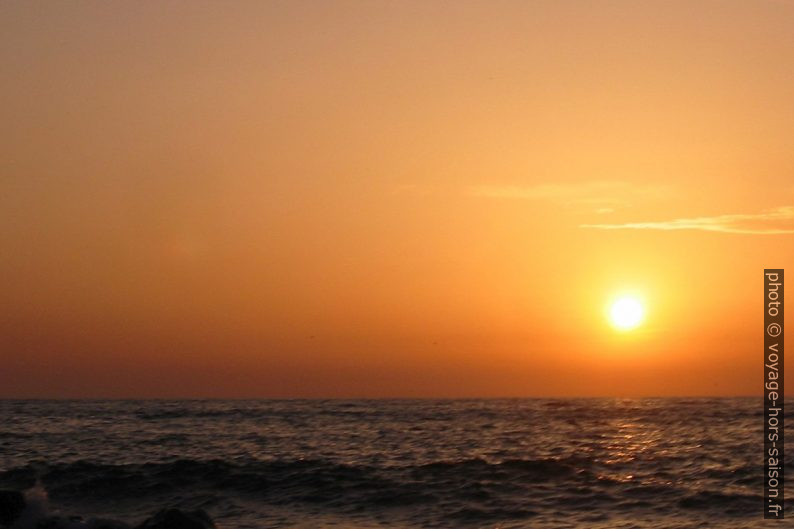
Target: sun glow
{"points": [[626, 313]]}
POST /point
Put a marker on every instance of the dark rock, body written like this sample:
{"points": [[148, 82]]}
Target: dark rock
{"points": [[77, 522], [104, 523], [56, 522], [176, 519], [12, 503]]}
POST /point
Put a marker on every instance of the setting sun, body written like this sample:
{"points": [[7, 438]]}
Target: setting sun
{"points": [[626, 313]]}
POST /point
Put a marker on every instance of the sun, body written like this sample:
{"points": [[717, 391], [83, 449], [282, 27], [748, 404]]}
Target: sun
{"points": [[626, 313]]}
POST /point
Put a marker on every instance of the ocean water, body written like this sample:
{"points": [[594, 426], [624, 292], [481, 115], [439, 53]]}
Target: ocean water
{"points": [[513, 463]]}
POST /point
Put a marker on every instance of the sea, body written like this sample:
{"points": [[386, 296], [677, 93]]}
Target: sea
{"points": [[360, 464]]}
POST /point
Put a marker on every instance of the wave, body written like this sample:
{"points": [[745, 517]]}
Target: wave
{"points": [[514, 463], [508, 486]]}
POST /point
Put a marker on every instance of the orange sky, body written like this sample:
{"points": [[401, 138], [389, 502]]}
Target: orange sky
{"points": [[344, 199]]}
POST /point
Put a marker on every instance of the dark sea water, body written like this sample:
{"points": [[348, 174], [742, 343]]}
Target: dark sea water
{"points": [[601, 463]]}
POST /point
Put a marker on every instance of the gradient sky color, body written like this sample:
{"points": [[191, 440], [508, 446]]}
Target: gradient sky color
{"points": [[374, 199]]}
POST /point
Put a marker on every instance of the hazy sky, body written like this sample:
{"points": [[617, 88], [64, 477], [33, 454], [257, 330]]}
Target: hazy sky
{"points": [[284, 199]]}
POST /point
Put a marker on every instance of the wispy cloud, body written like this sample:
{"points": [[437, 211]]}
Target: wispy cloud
{"points": [[603, 196], [769, 222]]}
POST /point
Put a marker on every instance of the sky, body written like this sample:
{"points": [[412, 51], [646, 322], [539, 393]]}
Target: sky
{"points": [[391, 199]]}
